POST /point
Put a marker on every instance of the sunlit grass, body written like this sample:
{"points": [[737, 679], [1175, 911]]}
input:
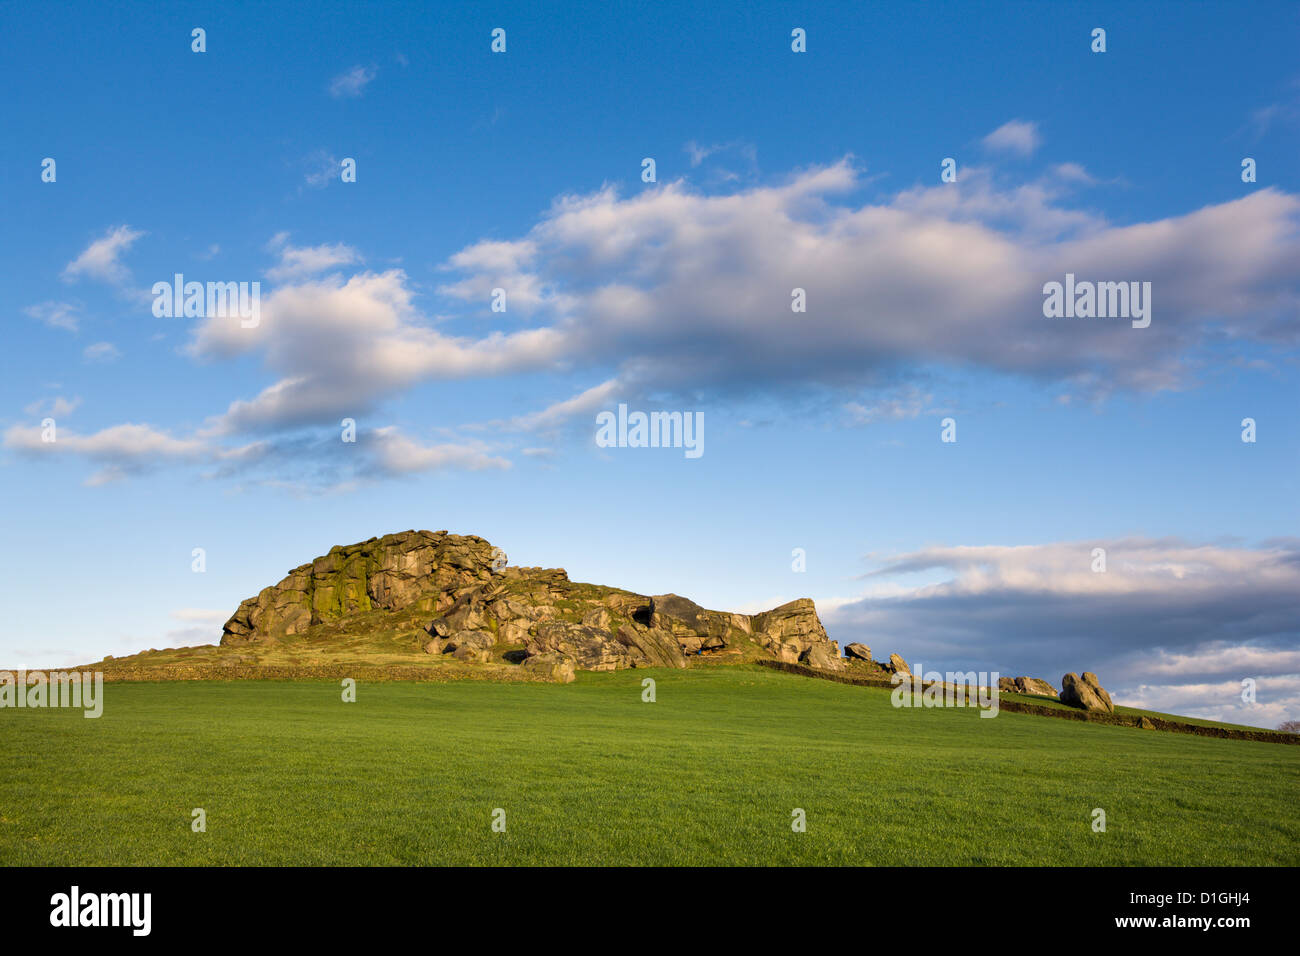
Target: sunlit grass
{"points": [[588, 773]]}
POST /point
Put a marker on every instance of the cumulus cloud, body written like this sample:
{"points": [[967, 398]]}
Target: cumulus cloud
{"points": [[1016, 136], [694, 291], [120, 450], [100, 260], [675, 290], [341, 346], [679, 292], [299, 261], [398, 455], [1277, 699], [1166, 618]]}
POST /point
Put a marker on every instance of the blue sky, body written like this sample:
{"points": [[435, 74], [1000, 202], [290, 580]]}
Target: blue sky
{"points": [[775, 169]]}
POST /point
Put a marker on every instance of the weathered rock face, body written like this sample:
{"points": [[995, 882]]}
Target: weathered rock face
{"points": [[791, 631], [552, 667], [897, 665], [480, 610], [858, 652], [1026, 685], [414, 569], [823, 657], [1085, 692]]}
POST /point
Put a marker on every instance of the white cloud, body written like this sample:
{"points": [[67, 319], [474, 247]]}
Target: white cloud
{"points": [[121, 450], [123, 443], [1132, 566], [322, 168], [678, 292], [1223, 659], [126, 450], [699, 153], [1074, 173], [692, 291], [342, 346], [1277, 699], [57, 407], [1168, 625], [585, 403], [674, 290], [299, 261], [57, 315], [399, 455], [1015, 136], [351, 84], [101, 352], [99, 260], [907, 403]]}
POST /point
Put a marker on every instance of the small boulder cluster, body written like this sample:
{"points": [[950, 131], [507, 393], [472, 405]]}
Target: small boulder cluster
{"points": [[861, 654]]}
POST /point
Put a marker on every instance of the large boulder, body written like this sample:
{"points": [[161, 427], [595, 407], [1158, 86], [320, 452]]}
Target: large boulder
{"points": [[821, 657], [1026, 685], [788, 632], [898, 666], [550, 666], [688, 622], [591, 649], [1085, 693], [795, 623], [471, 646], [859, 652], [657, 646]]}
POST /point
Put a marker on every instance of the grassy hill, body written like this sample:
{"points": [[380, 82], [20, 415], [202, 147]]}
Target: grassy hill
{"points": [[588, 773]]}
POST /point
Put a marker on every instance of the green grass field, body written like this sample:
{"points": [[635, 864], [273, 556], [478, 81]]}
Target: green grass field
{"points": [[589, 774]]}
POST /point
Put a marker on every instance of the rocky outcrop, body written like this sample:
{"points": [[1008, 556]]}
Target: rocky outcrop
{"points": [[695, 629], [857, 652], [1085, 692], [791, 631], [1026, 685], [414, 569], [897, 665], [468, 605]]}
